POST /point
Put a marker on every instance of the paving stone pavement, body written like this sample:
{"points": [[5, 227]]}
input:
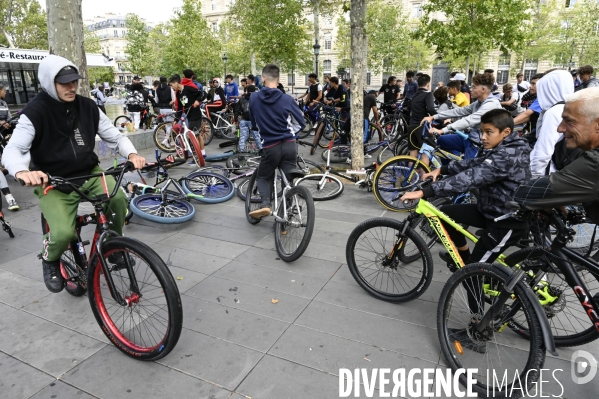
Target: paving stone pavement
{"points": [[235, 342]]}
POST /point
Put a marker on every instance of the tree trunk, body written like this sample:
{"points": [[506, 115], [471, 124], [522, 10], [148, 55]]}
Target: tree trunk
{"points": [[253, 64], [11, 44], [359, 48], [523, 63], [65, 36], [316, 14]]}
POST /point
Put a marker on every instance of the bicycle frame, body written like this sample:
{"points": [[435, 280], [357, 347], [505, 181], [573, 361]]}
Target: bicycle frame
{"points": [[286, 188]]}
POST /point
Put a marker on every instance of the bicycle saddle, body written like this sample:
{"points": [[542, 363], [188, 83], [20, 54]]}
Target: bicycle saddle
{"points": [[296, 174]]}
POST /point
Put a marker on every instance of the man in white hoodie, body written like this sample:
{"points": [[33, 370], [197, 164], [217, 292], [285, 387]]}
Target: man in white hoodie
{"points": [[552, 90]]}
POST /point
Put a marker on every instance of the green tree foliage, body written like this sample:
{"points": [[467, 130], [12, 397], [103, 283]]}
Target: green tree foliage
{"points": [[237, 47], [190, 43], [91, 41], [139, 56], [276, 30], [577, 37], [23, 24], [473, 26]]}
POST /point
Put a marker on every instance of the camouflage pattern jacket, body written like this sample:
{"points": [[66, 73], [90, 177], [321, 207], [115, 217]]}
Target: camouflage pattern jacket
{"points": [[497, 173]]}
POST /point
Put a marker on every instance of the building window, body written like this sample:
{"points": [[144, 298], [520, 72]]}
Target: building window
{"points": [[570, 3], [327, 66], [327, 41], [328, 20], [121, 79], [307, 81], [118, 54], [503, 69], [530, 69], [291, 79], [416, 10], [116, 33], [213, 5], [214, 27], [368, 78]]}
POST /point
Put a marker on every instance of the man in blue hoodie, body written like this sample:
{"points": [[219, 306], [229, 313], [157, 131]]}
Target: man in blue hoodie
{"points": [[278, 119]]}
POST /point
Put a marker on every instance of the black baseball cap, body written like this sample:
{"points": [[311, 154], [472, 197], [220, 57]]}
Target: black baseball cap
{"points": [[136, 77], [67, 74]]}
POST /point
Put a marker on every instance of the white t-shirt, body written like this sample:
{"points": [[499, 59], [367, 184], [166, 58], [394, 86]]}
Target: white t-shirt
{"points": [[525, 85]]}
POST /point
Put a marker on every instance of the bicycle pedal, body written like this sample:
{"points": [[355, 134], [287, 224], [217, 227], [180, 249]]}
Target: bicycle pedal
{"points": [[39, 256], [86, 242]]}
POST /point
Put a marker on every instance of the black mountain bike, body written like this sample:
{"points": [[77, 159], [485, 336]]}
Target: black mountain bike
{"points": [[132, 293]]}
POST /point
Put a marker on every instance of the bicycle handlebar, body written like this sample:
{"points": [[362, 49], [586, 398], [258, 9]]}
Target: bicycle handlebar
{"points": [[60, 181]]}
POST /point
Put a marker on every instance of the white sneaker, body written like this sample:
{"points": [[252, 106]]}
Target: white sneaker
{"points": [[12, 204], [166, 143], [367, 156]]}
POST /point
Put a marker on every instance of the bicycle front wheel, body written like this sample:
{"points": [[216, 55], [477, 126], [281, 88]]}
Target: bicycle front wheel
{"points": [[339, 153], [494, 351], [393, 280], [395, 177], [308, 167], [148, 324], [322, 187], [211, 187], [169, 211], [293, 236], [121, 121], [164, 138], [196, 152], [302, 134], [421, 225]]}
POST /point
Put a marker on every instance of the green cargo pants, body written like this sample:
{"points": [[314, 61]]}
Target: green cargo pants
{"points": [[60, 210]]}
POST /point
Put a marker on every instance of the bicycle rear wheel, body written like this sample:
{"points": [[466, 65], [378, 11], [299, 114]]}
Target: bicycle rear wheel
{"points": [[570, 325], [152, 207], [393, 280], [322, 187], [164, 138], [495, 350], [293, 236], [196, 152], [212, 187], [302, 134], [206, 131], [243, 161], [252, 198], [308, 167], [339, 153], [148, 325], [226, 128], [121, 121], [395, 177]]}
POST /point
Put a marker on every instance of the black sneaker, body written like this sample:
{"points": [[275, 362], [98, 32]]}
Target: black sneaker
{"points": [[461, 335], [52, 276], [118, 261], [449, 260]]}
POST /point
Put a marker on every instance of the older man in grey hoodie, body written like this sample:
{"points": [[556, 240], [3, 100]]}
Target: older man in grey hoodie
{"points": [[57, 133]]}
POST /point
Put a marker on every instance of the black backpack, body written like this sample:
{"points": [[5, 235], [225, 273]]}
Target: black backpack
{"points": [[563, 156], [244, 106]]}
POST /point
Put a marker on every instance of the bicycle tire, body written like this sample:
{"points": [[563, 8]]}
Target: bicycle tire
{"points": [[570, 325], [67, 267], [241, 189], [456, 355], [327, 136], [305, 132], [161, 296], [212, 187], [339, 153], [317, 134], [308, 167], [389, 174], [226, 130], [196, 152], [251, 195], [160, 134], [120, 121], [242, 160], [206, 131], [391, 150], [356, 253], [151, 207], [284, 232], [317, 183]]}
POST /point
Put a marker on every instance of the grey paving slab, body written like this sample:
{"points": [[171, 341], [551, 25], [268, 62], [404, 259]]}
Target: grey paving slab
{"points": [[315, 249], [399, 336], [185, 278], [350, 206], [334, 226], [45, 345], [329, 353], [143, 379], [205, 245], [190, 260], [212, 359], [275, 279], [26, 240], [330, 238], [19, 380], [250, 298], [237, 326], [5, 309], [228, 234], [338, 215], [28, 265], [59, 389], [29, 220], [19, 291], [9, 252], [63, 308], [275, 378], [354, 297], [343, 275], [304, 265], [234, 220], [147, 234]]}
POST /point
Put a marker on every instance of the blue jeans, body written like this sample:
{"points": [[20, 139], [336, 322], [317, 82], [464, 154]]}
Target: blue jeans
{"points": [[457, 145], [244, 134], [366, 131]]}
